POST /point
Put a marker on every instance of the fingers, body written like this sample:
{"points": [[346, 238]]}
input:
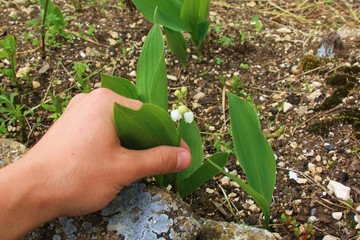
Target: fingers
{"points": [[155, 161]]}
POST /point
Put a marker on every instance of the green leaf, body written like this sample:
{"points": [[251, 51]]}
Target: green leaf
{"points": [[59, 21], [196, 15], [252, 150], [191, 134], [120, 86], [203, 174], [148, 127], [259, 199], [177, 45], [168, 13], [151, 80]]}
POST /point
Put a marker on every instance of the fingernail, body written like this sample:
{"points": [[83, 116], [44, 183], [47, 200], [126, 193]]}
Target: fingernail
{"points": [[183, 159]]}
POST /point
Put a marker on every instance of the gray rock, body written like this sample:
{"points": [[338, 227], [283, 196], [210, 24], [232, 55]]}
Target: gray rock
{"points": [[139, 211], [213, 230], [10, 151]]}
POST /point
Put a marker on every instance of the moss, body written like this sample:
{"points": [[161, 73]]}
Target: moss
{"points": [[352, 116], [310, 62], [335, 98], [322, 128], [350, 70], [341, 80]]}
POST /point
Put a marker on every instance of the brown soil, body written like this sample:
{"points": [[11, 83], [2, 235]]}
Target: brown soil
{"points": [[272, 65]]}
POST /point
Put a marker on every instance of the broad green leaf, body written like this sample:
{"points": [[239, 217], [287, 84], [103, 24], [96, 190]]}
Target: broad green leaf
{"points": [[196, 15], [252, 150], [203, 174], [119, 85], [168, 13], [59, 22], [191, 134], [148, 127], [258, 198], [177, 45], [50, 6], [3, 53], [151, 80]]}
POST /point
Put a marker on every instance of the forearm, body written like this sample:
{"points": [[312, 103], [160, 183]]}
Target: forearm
{"points": [[22, 204]]}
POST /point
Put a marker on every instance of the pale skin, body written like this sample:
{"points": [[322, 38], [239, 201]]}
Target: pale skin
{"points": [[78, 166]]}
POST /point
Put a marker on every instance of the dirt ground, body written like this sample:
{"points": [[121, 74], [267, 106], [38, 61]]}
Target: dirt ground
{"points": [[267, 51]]}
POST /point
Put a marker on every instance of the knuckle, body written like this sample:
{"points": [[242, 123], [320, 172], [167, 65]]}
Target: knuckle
{"points": [[161, 162]]}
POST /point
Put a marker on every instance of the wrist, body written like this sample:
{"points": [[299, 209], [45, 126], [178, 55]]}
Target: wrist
{"points": [[24, 204]]}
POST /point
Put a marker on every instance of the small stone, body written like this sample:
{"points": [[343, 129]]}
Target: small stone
{"points": [[172, 78], [342, 192], [318, 158], [132, 73], [286, 106], [301, 180], [82, 54], [212, 128], [23, 72], [36, 84], [289, 212], [297, 201], [254, 208], [281, 164], [113, 34], [277, 97], [296, 70], [293, 175], [337, 215], [198, 96], [209, 190], [329, 147], [312, 219], [225, 180], [293, 145], [358, 209], [330, 237], [284, 30], [44, 69], [112, 42], [317, 179]]}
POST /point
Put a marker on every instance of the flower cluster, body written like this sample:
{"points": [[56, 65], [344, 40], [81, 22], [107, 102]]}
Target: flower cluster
{"points": [[182, 112]]}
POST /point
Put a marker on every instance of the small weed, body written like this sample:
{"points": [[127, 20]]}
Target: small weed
{"points": [[226, 40], [79, 69], [56, 106], [244, 66], [223, 146], [8, 52], [219, 61], [255, 20], [14, 113], [91, 29]]}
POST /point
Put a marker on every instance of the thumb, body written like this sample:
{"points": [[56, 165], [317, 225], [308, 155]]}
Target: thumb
{"points": [[158, 160]]}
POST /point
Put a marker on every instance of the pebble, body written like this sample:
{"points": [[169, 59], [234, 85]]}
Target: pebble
{"points": [[297, 201], [317, 179], [358, 209], [254, 208], [225, 180], [112, 42], [44, 69], [318, 158], [36, 84], [281, 164], [293, 145], [209, 190], [330, 237], [301, 180], [198, 96], [171, 77], [312, 219], [286, 106], [284, 30], [296, 70], [337, 215], [341, 191], [329, 147], [302, 110], [132, 73], [356, 219]]}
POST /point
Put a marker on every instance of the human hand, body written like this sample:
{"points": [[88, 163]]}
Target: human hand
{"points": [[79, 165]]}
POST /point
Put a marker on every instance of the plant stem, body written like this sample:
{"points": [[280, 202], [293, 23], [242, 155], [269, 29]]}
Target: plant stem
{"points": [[43, 29]]}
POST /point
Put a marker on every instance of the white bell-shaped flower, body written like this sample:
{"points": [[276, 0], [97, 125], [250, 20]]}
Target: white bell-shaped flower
{"points": [[188, 117], [175, 115]]}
